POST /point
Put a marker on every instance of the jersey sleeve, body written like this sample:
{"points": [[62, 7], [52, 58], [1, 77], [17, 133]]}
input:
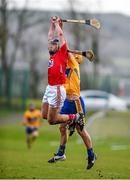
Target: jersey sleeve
{"points": [[63, 52], [63, 48], [26, 115], [79, 58]]}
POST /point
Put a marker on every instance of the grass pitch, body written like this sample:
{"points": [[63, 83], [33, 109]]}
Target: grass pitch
{"points": [[111, 140]]}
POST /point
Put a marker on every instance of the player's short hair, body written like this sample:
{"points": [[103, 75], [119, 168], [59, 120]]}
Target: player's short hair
{"points": [[31, 106], [55, 41]]}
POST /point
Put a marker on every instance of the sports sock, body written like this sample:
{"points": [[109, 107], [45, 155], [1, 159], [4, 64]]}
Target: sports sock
{"points": [[72, 116], [61, 150], [90, 152]]}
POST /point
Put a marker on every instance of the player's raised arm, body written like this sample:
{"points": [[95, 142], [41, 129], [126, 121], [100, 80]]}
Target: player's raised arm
{"points": [[51, 30], [59, 31], [89, 54]]}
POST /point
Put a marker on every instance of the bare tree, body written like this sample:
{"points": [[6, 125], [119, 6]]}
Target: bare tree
{"points": [[95, 47], [24, 21], [34, 74], [76, 29], [3, 42]]}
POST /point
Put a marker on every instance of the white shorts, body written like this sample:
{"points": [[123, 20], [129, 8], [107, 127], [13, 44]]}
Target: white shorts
{"points": [[54, 96]]}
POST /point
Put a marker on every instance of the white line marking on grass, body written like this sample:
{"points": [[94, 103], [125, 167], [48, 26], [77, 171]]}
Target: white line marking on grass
{"points": [[119, 147], [99, 115], [91, 120]]}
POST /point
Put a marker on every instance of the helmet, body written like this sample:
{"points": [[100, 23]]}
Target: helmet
{"points": [[55, 41]]}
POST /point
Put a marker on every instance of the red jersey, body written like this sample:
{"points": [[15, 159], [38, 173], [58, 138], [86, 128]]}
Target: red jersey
{"points": [[57, 66]]}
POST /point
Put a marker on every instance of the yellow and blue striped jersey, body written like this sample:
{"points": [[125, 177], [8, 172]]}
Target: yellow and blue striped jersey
{"points": [[72, 85], [32, 118]]}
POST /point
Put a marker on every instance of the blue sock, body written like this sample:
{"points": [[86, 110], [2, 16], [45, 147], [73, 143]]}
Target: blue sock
{"points": [[90, 152], [61, 150]]}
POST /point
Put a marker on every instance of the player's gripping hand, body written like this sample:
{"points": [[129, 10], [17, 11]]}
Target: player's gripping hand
{"points": [[90, 55], [57, 20], [53, 20]]}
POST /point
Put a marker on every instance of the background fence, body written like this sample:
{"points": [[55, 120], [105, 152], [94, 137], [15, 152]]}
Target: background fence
{"points": [[20, 89]]}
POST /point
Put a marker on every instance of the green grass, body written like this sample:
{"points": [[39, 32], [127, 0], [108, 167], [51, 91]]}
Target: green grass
{"points": [[113, 151]]}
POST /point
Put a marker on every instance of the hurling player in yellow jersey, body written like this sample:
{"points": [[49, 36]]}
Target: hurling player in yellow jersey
{"points": [[32, 123], [73, 104]]}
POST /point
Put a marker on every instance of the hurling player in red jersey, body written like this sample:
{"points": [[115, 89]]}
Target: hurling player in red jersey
{"points": [[55, 93]]}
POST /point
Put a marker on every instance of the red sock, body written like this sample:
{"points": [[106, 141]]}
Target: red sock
{"points": [[72, 116]]}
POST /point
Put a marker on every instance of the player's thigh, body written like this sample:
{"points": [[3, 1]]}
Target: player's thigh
{"points": [[44, 110]]}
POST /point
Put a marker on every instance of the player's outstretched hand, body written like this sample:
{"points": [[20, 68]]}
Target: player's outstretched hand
{"points": [[53, 19], [57, 20]]}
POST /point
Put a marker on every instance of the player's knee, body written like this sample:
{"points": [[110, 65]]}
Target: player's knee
{"points": [[51, 121], [79, 131], [62, 129], [44, 115]]}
